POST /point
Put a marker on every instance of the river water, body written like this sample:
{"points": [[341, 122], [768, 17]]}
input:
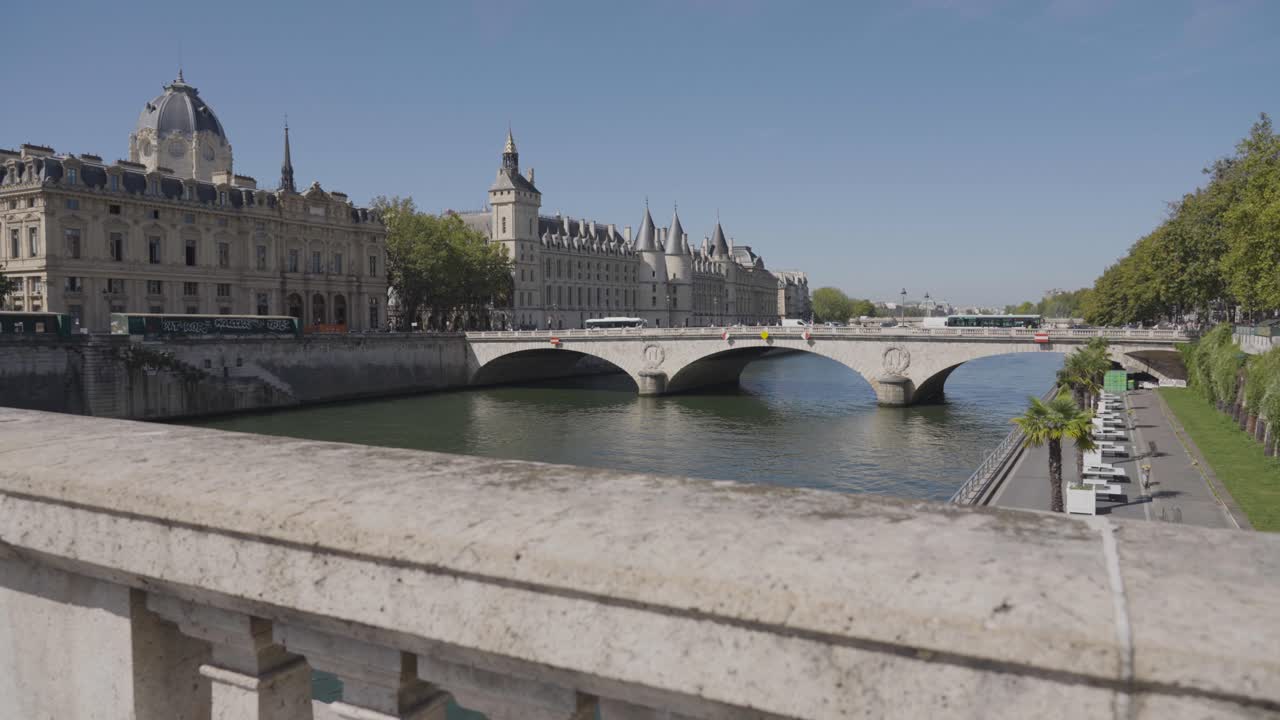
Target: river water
{"points": [[796, 419]]}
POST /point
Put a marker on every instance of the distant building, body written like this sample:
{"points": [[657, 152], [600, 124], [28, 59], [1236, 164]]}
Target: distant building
{"points": [[569, 270], [173, 230], [794, 300]]}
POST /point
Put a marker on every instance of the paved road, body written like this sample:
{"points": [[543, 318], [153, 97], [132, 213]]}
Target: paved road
{"points": [[1178, 491]]}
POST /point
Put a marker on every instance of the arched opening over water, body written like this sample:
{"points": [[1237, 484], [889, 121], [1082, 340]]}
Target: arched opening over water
{"points": [[724, 369], [527, 366]]}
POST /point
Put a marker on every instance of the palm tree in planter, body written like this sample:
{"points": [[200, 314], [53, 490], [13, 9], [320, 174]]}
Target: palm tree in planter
{"points": [[1082, 373], [1050, 423]]}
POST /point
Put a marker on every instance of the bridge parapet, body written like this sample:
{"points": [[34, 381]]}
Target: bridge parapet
{"points": [[1054, 335], [165, 572]]}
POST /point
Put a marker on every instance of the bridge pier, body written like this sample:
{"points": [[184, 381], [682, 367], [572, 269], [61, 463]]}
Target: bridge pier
{"points": [[894, 390], [651, 382]]}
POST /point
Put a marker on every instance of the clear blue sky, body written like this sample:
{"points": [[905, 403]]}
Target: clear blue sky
{"points": [[980, 150]]}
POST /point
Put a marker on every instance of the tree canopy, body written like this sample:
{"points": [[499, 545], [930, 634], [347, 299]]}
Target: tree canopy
{"points": [[445, 275], [1219, 247], [833, 305]]}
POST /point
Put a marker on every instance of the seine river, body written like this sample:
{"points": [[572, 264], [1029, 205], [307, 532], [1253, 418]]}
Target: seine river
{"points": [[797, 419]]}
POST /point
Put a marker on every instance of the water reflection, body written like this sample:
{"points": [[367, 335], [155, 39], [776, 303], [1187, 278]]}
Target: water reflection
{"points": [[797, 419]]}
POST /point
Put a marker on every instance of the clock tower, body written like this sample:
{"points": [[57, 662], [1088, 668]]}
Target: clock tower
{"points": [[513, 216]]}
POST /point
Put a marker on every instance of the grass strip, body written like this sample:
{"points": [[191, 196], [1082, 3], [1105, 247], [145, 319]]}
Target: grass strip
{"points": [[1252, 478]]}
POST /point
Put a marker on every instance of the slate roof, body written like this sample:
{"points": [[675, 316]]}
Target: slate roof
{"points": [[180, 109]]}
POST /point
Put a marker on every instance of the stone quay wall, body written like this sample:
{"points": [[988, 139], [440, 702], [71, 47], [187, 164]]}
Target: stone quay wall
{"points": [[159, 572], [116, 376]]}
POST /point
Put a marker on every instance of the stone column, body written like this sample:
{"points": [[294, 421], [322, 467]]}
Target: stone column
{"points": [[378, 682], [651, 382], [894, 390], [252, 677]]}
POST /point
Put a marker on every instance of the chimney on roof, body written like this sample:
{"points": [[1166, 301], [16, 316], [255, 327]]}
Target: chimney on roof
{"points": [[565, 224], [613, 232], [627, 235]]}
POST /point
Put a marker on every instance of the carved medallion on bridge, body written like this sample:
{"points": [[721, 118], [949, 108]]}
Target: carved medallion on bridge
{"points": [[654, 355], [896, 360]]}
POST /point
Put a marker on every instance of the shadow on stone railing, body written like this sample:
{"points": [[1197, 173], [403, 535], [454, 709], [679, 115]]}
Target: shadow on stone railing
{"points": [[160, 572]]}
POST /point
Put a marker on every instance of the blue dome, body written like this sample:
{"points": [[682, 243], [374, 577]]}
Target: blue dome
{"points": [[179, 110]]}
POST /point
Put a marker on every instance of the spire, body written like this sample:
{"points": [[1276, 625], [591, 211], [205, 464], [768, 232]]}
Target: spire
{"points": [[510, 158], [180, 75], [675, 237], [645, 240], [286, 169], [719, 248]]}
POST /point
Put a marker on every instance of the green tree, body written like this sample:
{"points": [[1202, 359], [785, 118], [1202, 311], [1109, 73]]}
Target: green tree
{"points": [[862, 308], [1050, 423], [831, 305], [1251, 220], [444, 274]]}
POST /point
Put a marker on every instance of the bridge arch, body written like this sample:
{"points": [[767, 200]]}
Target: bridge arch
{"points": [[531, 364], [902, 369]]}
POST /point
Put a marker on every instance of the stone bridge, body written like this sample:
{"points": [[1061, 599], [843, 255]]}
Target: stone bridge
{"points": [[903, 366]]}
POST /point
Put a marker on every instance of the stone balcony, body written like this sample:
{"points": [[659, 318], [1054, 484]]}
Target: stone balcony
{"points": [[160, 572]]}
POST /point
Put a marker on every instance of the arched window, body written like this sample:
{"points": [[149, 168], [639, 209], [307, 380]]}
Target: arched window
{"points": [[317, 309], [339, 310], [295, 306]]}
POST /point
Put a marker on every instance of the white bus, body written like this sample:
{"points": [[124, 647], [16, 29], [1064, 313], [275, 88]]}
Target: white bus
{"points": [[614, 322]]}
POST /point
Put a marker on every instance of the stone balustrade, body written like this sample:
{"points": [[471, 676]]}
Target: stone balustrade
{"points": [[160, 572]]}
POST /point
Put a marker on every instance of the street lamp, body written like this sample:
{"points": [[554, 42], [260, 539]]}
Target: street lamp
{"points": [[928, 310], [902, 308]]}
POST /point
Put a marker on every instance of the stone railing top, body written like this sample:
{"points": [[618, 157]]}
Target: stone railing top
{"points": [[1076, 335], [797, 603]]}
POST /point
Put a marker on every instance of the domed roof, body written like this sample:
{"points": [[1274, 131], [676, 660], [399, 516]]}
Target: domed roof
{"points": [[179, 110]]}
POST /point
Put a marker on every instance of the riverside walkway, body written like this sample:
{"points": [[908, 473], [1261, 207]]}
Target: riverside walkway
{"points": [[1182, 488]]}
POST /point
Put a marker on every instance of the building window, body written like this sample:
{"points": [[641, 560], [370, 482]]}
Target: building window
{"points": [[37, 286], [15, 247], [190, 289], [337, 263], [115, 286], [548, 273], [373, 313], [77, 314], [155, 214], [113, 209], [186, 192], [316, 262], [262, 257], [71, 176], [373, 266], [155, 187], [117, 307], [224, 255], [153, 249], [155, 287], [72, 236], [73, 204], [193, 310], [74, 284], [156, 309], [224, 290], [115, 182], [115, 246], [224, 310], [33, 241], [504, 226], [191, 253], [263, 306], [31, 202], [189, 219], [293, 261], [222, 198]]}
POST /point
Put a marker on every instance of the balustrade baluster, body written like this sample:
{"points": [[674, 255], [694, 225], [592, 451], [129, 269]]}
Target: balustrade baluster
{"points": [[251, 676], [378, 682]]}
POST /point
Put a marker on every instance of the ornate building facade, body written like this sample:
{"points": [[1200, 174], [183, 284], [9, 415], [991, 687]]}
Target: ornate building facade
{"points": [[568, 270], [174, 230]]}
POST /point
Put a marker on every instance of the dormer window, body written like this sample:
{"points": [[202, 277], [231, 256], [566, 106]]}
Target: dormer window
{"points": [[71, 176], [155, 187], [186, 192], [222, 198], [115, 183]]}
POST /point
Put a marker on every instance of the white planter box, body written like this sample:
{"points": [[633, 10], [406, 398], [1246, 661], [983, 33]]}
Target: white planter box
{"points": [[1081, 500]]}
